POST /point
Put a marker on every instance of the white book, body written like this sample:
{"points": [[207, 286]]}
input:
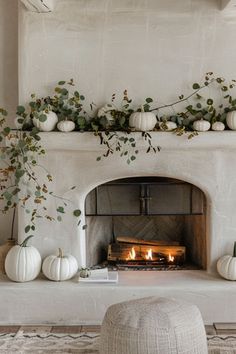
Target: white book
{"points": [[100, 277]]}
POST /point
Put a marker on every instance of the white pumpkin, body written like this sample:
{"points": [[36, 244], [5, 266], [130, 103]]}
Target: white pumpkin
{"points": [[105, 111], [142, 121], [201, 125], [66, 126], [226, 266], [49, 124], [231, 120], [23, 263], [59, 268], [167, 126], [218, 126]]}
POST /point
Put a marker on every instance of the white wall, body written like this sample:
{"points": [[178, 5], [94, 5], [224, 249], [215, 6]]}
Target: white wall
{"points": [[151, 47], [8, 75]]}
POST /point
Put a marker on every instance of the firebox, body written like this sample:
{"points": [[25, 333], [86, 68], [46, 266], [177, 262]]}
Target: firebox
{"points": [[146, 223]]}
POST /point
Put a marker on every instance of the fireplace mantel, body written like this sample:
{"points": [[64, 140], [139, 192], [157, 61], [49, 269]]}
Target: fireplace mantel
{"points": [[166, 140]]}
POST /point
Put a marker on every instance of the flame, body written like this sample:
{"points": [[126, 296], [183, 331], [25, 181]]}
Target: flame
{"points": [[171, 258], [148, 256], [132, 254]]}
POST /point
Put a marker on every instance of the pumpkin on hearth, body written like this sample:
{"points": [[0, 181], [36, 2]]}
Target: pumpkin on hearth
{"points": [[61, 267], [23, 262], [226, 266]]}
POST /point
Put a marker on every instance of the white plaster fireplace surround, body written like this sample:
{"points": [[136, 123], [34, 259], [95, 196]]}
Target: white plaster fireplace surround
{"points": [[207, 161]]}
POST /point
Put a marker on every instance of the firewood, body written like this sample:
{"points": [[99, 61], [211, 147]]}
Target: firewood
{"points": [[123, 239]]}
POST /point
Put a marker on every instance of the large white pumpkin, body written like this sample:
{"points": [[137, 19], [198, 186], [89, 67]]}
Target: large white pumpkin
{"points": [[142, 121], [66, 126], [231, 120], [61, 267], [49, 124], [23, 263], [226, 266], [201, 125]]}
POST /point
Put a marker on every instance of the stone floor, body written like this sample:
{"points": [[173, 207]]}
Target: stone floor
{"points": [[217, 328]]}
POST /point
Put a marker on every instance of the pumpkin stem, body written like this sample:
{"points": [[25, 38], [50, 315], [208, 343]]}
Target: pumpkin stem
{"points": [[24, 243], [60, 253], [234, 254]]}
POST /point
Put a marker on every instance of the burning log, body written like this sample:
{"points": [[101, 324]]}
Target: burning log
{"points": [[137, 253]]}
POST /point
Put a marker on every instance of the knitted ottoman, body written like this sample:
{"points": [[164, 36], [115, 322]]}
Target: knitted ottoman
{"points": [[153, 326]]}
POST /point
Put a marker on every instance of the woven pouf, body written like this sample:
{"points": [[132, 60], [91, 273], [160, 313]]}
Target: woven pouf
{"points": [[153, 326]]}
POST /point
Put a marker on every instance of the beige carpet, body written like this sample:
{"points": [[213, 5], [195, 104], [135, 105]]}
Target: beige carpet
{"points": [[84, 343]]}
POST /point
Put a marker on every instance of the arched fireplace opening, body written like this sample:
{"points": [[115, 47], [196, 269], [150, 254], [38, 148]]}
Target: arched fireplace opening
{"points": [[146, 223]]}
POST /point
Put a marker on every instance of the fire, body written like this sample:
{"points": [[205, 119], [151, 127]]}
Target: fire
{"points": [[171, 258], [148, 256], [132, 254]]}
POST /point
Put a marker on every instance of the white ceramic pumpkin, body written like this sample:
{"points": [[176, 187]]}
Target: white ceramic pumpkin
{"points": [[49, 124], [105, 111], [218, 126], [61, 267], [226, 266], [66, 126], [142, 121], [231, 120], [167, 126], [23, 262], [201, 125]]}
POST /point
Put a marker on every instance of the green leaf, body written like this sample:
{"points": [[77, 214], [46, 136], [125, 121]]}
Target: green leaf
{"points": [[196, 86], [149, 100], [42, 118], [27, 229], [77, 212], [19, 173], [210, 102], [20, 109], [60, 209], [61, 83]]}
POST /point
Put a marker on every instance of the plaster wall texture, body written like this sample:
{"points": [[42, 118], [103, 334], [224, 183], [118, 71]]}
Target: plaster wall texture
{"points": [[8, 76], [154, 48]]}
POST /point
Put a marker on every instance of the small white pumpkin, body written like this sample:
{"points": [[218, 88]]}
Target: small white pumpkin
{"points": [[142, 121], [218, 126], [49, 124], [231, 120], [201, 125], [105, 111], [167, 126], [23, 262], [66, 126], [61, 267], [226, 266]]}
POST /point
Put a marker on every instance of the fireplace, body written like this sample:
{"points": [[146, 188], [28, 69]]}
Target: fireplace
{"points": [[151, 223], [205, 162]]}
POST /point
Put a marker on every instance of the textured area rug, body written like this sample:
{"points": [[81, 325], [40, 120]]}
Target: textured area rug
{"points": [[81, 343], [222, 344], [84, 343]]}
